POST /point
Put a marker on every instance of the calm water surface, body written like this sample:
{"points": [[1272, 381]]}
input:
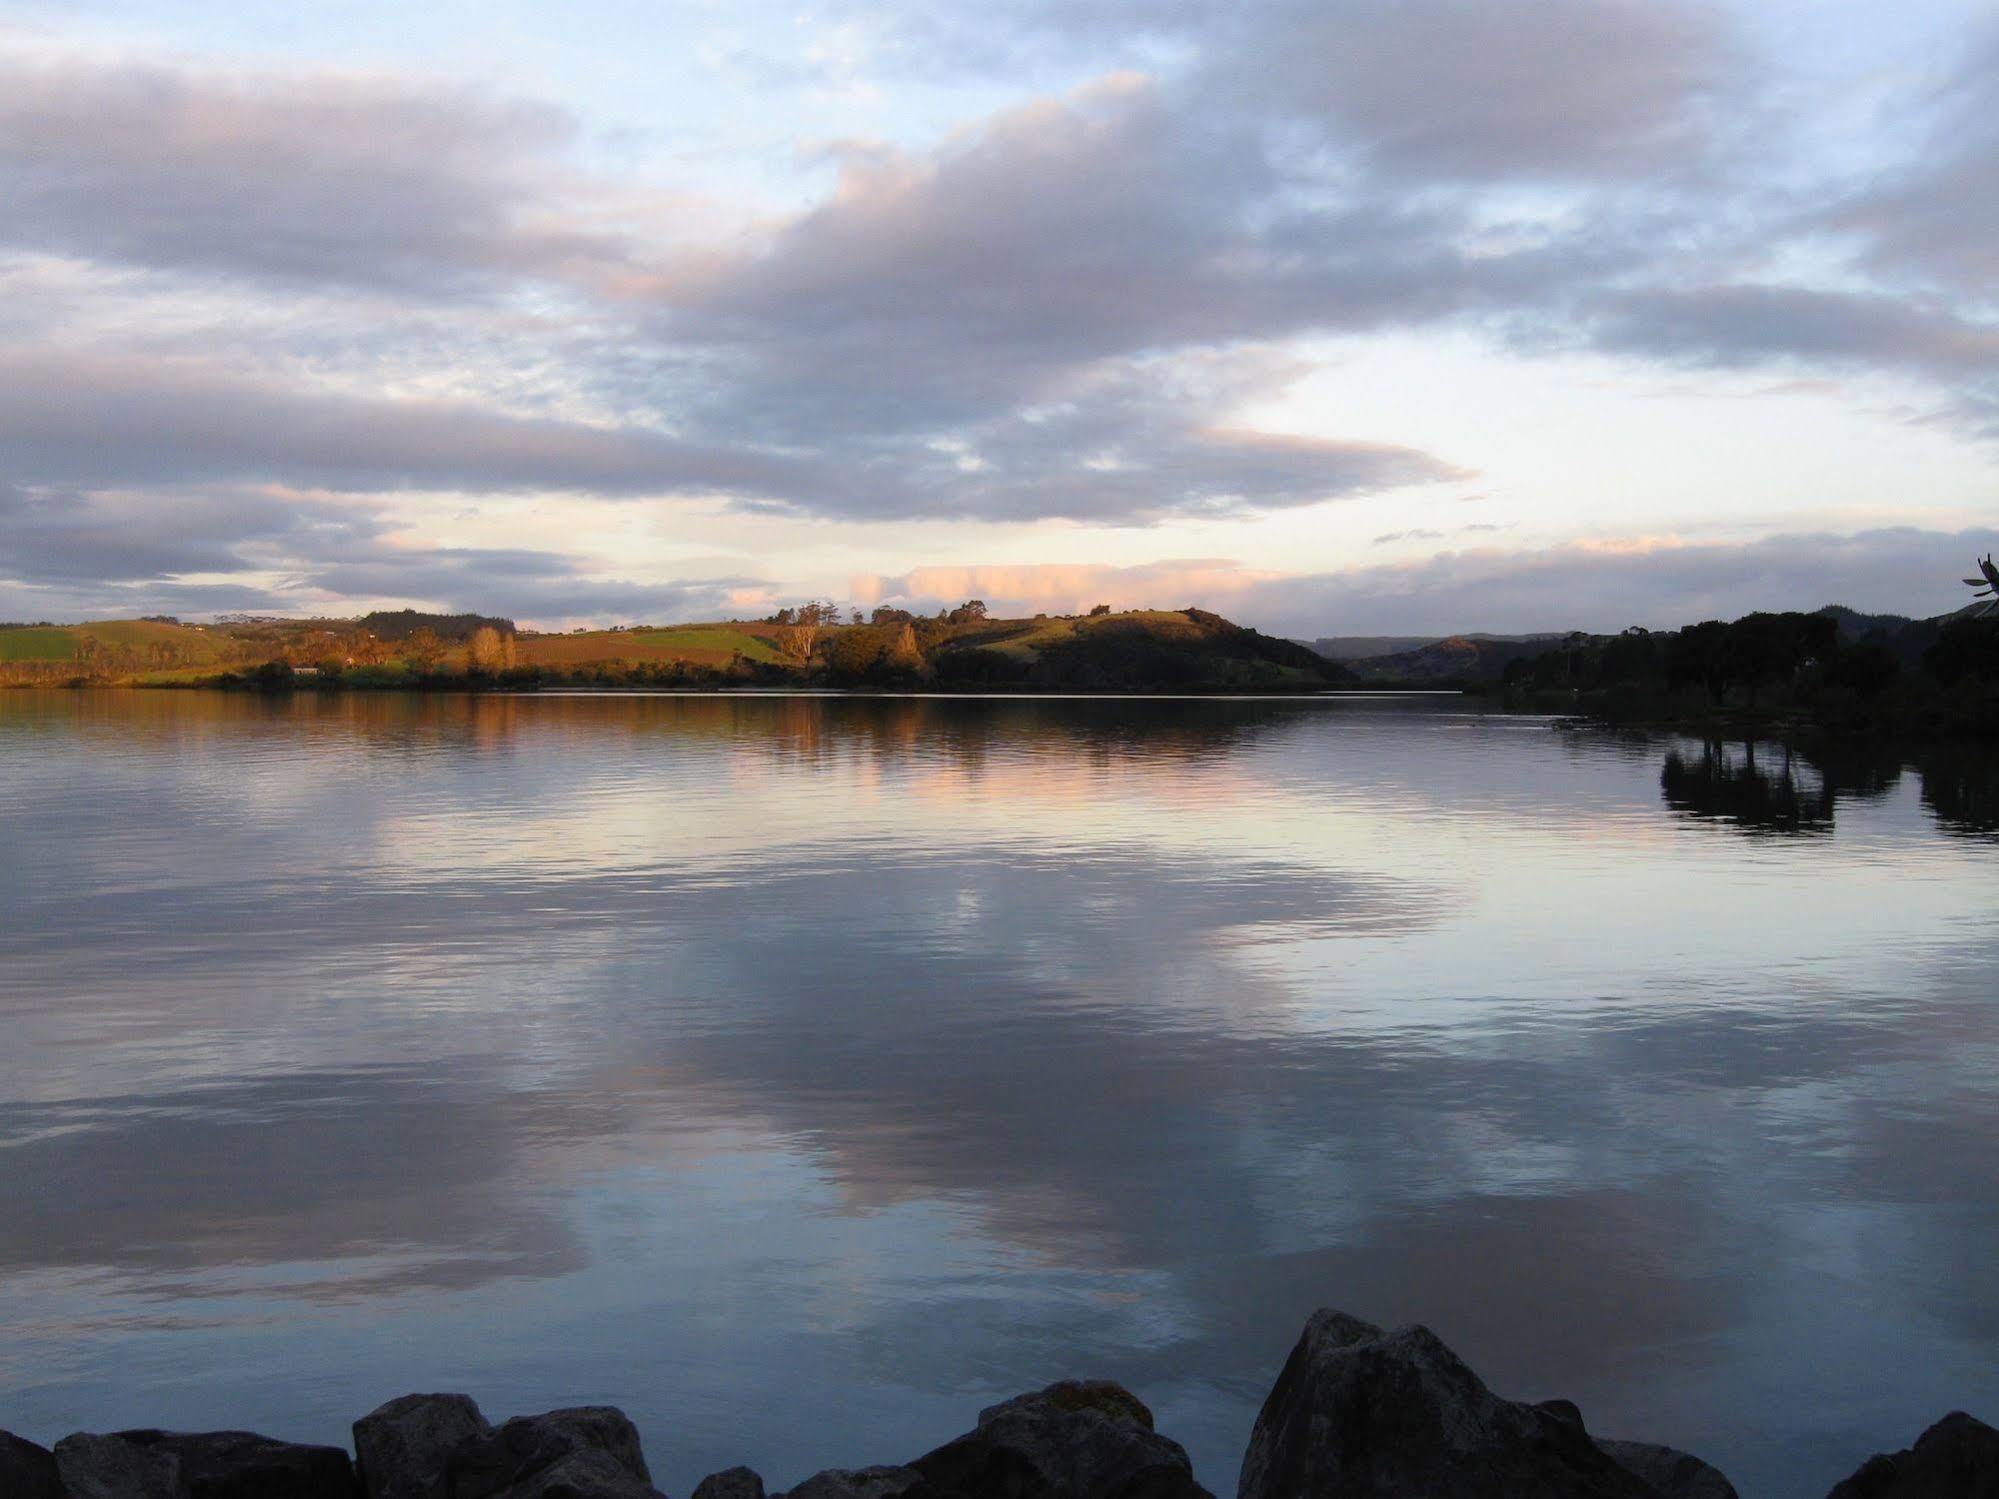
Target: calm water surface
{"points": [[801, 1074]]}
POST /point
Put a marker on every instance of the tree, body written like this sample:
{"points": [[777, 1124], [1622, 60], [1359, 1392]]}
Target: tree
{"points": [[1699, 654], [884, 615], [969, 612], [490, 651], [1773, 648], [423, 650], [796, 641], [1097, 609]]}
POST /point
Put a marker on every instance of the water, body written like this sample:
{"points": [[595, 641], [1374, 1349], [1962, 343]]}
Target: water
{"points": [[801, 1074]]}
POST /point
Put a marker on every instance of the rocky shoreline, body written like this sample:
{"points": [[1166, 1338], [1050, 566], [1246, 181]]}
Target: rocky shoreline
{"points": [[1356, 1413]]}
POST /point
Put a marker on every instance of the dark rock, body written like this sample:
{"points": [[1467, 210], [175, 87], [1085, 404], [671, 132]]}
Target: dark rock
{"points": [[1073, 1440], [585, 1473], [27, 1471], [1673, 1473], [93, 1466], [863, 1483], [244, 1465], [1958, 1458], [1568, 1410], [506, 1457], [404, 1448], [1358, 1412], [731, 1483], [1081, 1394]]}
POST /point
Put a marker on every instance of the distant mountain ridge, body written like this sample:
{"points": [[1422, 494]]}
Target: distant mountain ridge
{"points": [[1365, 647], [1478, 657]]}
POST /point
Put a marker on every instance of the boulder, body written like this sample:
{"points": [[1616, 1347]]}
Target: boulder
{"points": [[585, 1473], [93, 1466], [863, 1483], [731, 1483], [1102, 1395], [1359, 1412], [26, 1470], [502, 1460], [1073, 1440], [403, 1449], [1958, 1458], [1673, 1473], [244, 1465]]}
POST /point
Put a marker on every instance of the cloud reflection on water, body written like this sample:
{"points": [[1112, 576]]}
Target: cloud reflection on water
{"points": [[845, 1056]]}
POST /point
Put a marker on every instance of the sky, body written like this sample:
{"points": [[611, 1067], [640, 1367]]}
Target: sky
{"points": [[1335, 316]]}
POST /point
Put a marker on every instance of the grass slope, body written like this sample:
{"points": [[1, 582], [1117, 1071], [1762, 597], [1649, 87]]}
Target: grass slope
{"points": [[141, 638]]}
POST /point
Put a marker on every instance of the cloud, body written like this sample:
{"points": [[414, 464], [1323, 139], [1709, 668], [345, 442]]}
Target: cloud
{"points": [[305, 176], [1071, 308], [1474, 89], [89, 419], [1059, 588], [1740, 324], [1600, 585], [951, 288], [1936, 216], [61, 537], [267, 551]]}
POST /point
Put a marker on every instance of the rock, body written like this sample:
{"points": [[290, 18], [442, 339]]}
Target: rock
{"points": [[1073, 1440], [1673, 1473], [506, 1457], [404, 1448], [27, 1471], [92, 1466], [585, 1473], [1958, 1458], [1081, 1394], [218, 1465], [863, 1483], [1358, 1412], [731, 1483]]}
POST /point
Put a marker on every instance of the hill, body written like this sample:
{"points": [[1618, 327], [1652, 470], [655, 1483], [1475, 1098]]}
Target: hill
{"points": [[111, 648], [1351, 648], [1187, 650], [1454, 660], [1148, 649]]}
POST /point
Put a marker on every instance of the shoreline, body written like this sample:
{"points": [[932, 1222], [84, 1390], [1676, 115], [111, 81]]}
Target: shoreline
{"points": [[1356, 1410]]}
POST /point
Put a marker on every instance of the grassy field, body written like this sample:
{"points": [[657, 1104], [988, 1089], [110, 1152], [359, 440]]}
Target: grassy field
{"points": [[1026, 639], [53, 643], [139, 638]]}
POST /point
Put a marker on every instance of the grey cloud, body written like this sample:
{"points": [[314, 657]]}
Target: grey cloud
{"points": [[1452, 88], [62, 537], [1479, 89], [1937, 216], [94, 420], [1052, 313], [125, 553], [1741, 324], [90, 421], [936, 290], [310, 177], [1900, 569]]}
